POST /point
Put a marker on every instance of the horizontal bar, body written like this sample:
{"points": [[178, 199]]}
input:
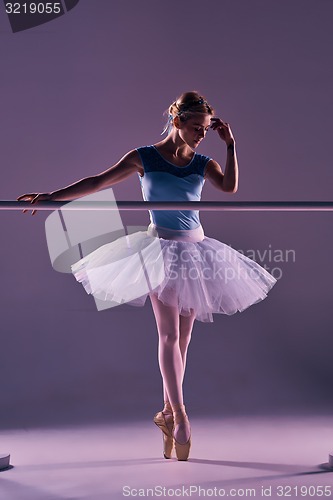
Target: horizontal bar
{"points": [[237, 206]]}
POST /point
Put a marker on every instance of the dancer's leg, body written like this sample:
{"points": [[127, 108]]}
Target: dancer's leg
{"points": [[170, 358], [185, 332]]}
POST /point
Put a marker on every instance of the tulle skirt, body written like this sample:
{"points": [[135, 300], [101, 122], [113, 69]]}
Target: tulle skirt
{"points": [[183, 268]]}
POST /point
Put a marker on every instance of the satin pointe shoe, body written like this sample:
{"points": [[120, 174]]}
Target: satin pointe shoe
{"points": [[182, 449], [165, 423]]}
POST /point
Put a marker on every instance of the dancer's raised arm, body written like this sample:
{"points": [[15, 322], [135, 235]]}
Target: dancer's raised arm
{"points": [[126, 166]]}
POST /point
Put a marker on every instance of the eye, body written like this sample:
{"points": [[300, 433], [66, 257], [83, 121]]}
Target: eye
{"points": [[199, 128]]}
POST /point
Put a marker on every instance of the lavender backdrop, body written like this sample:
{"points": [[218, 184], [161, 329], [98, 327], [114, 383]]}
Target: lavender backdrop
{"points": [[76, 95]]}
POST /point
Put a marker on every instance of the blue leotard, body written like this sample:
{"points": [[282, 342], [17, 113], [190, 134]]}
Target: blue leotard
{"points": [[164, 181]]}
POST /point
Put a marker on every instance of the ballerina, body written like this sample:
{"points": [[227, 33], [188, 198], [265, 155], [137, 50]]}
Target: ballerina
{"points": [[202, 275]]}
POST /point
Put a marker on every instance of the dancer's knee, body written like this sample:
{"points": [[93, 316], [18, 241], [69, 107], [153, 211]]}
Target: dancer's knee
{"points": [[185, 337], [169, 337], [185, 330]]}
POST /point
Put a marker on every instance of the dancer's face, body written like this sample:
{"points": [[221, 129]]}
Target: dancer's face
{"points": [[194, 129]]}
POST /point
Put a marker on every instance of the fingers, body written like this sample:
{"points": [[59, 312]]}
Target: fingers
{"points": [[26, 210], [32, 213], [218, 123], [26, 197]]}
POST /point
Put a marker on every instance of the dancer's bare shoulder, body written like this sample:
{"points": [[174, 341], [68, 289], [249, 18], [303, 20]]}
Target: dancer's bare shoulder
{"points": [[129, 164]]}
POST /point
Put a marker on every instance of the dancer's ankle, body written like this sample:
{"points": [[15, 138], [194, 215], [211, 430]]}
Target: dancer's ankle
{"points": [[167, 407], [182, 428], [178, 407], [179, 412]]}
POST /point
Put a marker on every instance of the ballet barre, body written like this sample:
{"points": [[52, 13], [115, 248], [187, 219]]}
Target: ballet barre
{"points": [[236, 206]]}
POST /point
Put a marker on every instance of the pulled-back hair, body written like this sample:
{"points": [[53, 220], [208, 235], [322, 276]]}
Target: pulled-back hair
{"points": [[186, 104]]}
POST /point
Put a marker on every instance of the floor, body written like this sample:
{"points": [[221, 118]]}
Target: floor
{"points": [[249, 456]]}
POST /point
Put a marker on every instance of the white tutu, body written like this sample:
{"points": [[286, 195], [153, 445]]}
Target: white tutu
{"points": [[184, 268]]}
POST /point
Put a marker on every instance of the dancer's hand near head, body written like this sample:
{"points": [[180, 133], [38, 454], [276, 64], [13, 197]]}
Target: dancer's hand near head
{"points": [[34, 198], [224, 130]]}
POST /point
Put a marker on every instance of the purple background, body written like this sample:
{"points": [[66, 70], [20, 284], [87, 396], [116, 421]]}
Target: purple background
{"points": [[76, 95]]}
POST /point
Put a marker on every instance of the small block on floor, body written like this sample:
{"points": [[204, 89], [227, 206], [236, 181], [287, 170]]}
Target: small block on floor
{"points": [[4, 460]]}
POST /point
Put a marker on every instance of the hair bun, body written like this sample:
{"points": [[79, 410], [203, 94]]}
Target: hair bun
{"points": [[186, 102]]}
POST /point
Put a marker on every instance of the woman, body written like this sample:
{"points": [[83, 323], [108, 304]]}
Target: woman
{"points": [[201, 275]]}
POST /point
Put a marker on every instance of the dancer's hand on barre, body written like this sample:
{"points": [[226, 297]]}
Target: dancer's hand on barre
{"points": [[34, 197]]}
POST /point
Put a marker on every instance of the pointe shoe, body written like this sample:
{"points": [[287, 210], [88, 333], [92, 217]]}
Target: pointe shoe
{"points": [[182, 449], [165, 423]]}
